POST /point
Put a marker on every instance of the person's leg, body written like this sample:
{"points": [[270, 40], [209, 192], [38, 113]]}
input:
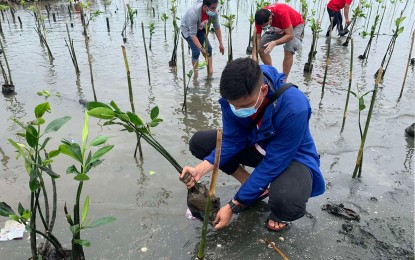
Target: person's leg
{"points": [[290, 48], [288, 195], [287, 63], [332, 14], [210, 64], [266, 38], [339, 22], [195, 55]]}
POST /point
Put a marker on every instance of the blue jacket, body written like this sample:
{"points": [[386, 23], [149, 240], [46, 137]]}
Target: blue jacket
{"points": [[284, 134]]}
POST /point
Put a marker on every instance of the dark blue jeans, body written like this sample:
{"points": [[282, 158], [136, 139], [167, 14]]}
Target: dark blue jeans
{"points": [[337, 20], [195, 51], [288, 193]]}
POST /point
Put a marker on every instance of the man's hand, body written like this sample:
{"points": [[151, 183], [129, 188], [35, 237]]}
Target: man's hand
{"points": [[223, 217], [203, 51], [194, 176], [221, 49], [348, 22], [269, 46]]}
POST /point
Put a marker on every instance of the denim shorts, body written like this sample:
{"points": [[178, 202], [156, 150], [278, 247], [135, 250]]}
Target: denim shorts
{"points": [[291, 46], [195, 51]]}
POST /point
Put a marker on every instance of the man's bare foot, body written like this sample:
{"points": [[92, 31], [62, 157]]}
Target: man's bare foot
{"points": [[276, 226]]}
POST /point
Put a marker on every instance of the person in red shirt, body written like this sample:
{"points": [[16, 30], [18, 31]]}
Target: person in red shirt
{"points": [[281, 25], [333, 8]]}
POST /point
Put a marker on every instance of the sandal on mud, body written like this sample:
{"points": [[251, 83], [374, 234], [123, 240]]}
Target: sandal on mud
{"points": [[341, 211], [274, 229], [263, 196]]}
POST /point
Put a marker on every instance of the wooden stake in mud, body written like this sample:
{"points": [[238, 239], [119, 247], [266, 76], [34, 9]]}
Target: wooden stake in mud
{"points": [[20, 21], [407, 65], [208, 208], [145, 49], [184, 75], [350, 86], [54, 17], [71, 49], [269, 242], [69, 11], [369, 115], [327, 58], [108, 24]]}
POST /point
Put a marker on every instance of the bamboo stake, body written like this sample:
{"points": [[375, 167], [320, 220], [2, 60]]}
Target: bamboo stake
{"points": [[127, 68], [72, 51], [369, 115], [145, 49], [407, 65], [207, 26], [269, 242], [108, 24], [327, 57], [381, 20], [88, 53], [7, 63], [212, 189], [350, 86], [184, 75]]}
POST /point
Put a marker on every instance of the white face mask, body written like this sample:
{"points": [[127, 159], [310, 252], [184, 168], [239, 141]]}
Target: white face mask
{"points": [[246, 111]]}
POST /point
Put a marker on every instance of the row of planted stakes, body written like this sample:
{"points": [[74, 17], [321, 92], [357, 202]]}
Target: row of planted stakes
{"points": [[38, 158]]}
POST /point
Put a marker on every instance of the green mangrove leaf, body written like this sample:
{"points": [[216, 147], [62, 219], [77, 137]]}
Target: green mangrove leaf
{"points": [[154, 112], [38, 121], [47, 139], [135, 119], [85, 210], [53, 153], [56, 124], [100, 222], [14, 217], [19, 146], [98, 154], [99, 140], [72, 169], [34, 185], [26, 214], [94, 104], [82, 242], [85, 131], [32, 136], [190, 74], [93, 164], [41, 109], [399, 20], [6, 210], [74, 229], [73, 150], [361, 104], [45, 93], [81, 177], [101, 112], [400, 30], [112, 103], [20, 209], [123, 117], [353, 93], [151, 172], [46, 162], [48, 171]]}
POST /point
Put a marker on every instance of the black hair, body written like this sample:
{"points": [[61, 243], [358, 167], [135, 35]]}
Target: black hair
{"points": [[208, 3], [262, 16], [240, 78]]}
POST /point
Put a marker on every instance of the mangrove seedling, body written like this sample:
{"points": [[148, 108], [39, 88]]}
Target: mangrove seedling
{"points": [[41, 29], [87, 160], [151, 27], [145, 49], [358, 166], [86, 7], [176, 31], [304, 13], [407, 65], [37, 161], [8, 86], [71, 50], [365, 55], [327, 57], [315, 29], [164, 18], [389, 51], [349, 87], [229, 24]]}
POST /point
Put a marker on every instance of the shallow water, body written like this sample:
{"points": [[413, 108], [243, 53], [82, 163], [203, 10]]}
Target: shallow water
{"points": [[150, 208]]}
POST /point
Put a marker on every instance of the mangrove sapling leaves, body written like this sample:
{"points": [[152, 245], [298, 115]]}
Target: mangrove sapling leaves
{"points": [[400, 30], [74, 229], [100, 222], [93, 164], [85, 210], [41, 109], [14, 217], [48, 171], [82, 242], [154, 112], [399, 20], [99, 140], [361, 104], [45, 93], [190, 74], [112, 103], [123, 117], [71, 149], [32, 136], [20, 209], [56, 124], [85, 131], [72, 169], [135, 119], [34, 185], [53, 153], [6, 210], [101, 112], [94, 104], [81, 177], [38, 121], [98, 154], [47, 139]]}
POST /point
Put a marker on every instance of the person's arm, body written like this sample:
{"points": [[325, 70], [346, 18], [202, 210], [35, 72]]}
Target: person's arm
{"points": [[346, 13], [196, 172], [218, 33], [288, 36], [196, 41]]}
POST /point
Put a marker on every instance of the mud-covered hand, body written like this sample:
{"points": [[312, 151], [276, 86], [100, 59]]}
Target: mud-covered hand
{"points": [[269, 46], [348, 22], [191, 179], [223, 217], [221, 49]]}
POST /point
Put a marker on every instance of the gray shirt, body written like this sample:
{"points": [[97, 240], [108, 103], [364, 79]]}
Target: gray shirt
{"points": [[191, 21]]}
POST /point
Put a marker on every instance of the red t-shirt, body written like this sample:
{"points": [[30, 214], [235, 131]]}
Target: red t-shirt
{"points": [[284, 16], [204, 20], [336, 5]]}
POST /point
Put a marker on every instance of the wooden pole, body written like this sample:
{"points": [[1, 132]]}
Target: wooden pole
{"points": [[145, 49], [269, 242], [184, 76], [407, 65], [327, 57]]}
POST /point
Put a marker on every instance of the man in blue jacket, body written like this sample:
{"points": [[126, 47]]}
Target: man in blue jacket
{"points": [[266, 128]]}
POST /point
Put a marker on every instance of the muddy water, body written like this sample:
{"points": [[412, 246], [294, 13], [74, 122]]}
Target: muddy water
{"points": [[150, 208]]}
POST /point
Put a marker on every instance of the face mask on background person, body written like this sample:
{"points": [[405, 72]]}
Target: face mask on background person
{"points": [[247, 111], [210, 13]]}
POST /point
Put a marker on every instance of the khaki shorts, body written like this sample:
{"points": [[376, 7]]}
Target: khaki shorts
{"points": [[274, 34]]}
